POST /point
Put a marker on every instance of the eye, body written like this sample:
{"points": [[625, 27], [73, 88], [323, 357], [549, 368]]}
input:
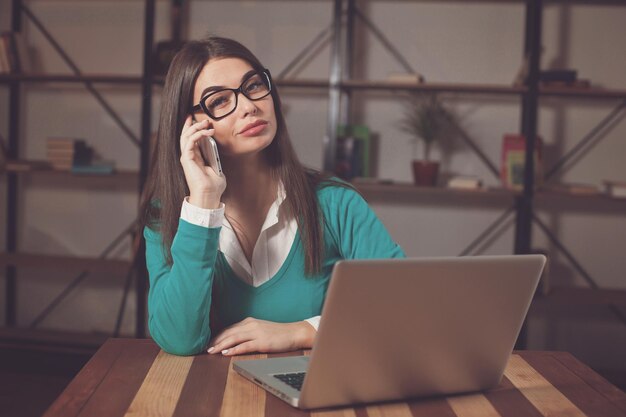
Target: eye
{"points": [[253, 86], [217, 101]]}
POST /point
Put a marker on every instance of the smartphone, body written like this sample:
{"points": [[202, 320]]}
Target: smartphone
{"points": [[210, 155]]}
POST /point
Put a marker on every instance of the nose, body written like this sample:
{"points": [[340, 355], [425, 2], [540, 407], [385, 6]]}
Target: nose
{"points": [[246, 106]]}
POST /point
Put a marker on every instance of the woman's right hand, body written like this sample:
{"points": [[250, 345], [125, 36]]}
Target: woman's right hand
{"points": [[205, 186]]}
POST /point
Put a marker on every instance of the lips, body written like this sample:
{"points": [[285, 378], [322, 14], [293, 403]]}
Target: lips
{"points": [[253, 125]]}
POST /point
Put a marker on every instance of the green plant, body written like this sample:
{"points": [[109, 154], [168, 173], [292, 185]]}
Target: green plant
{"points": [[426, 119]]}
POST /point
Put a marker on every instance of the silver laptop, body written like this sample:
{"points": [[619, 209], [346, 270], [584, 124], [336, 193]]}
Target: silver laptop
{"points": [[401, 328]]}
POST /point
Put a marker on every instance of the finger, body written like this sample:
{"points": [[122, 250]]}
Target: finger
{"points": [[246, 347], [186, 125], [229, 342], [228, 331], [194, 127], [189, 128], [189, 149]]}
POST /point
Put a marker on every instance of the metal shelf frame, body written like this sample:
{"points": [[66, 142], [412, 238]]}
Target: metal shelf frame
{"points": [[137, 263]]}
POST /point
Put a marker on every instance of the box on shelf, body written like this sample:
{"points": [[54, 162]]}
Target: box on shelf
{"points": [[513, 161], [460, 182], [405, 77], [615, 189]]}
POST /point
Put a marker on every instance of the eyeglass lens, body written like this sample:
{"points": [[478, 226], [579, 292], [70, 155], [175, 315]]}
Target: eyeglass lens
{"points": [[223, 102]]}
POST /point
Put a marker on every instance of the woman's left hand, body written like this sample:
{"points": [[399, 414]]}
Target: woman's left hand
{"points": [[252, 335]]}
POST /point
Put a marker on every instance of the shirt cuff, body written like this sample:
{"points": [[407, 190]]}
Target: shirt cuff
{"points": [[201, 216], [314, 321]]}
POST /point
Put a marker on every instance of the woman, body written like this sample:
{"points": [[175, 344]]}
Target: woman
{"points": [[247, 258]]}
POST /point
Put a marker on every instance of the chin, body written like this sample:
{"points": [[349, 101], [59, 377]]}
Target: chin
{"points": [[248, 146]]}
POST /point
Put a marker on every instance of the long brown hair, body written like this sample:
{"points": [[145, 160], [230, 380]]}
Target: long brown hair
{"points": [[167, 187]]}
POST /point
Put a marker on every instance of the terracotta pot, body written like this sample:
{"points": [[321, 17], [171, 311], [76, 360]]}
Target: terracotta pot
{"points": [[425, 173]]}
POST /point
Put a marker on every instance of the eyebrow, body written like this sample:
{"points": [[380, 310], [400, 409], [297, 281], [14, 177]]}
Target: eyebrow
{"points": [[221, 87]]}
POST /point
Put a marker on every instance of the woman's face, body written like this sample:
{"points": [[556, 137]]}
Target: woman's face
{"points": [[233, 133]]}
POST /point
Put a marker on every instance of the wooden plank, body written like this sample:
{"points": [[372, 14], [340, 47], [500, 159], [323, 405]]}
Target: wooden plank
{"points": [[539, 391], [160, 390], [116, 392], [389, 410], [579, 392], [82, 387], [509, 401], [204, 388], [64, 262], [431, 407], [472, 405], [241, 397], [344, 412], [615, 395]]}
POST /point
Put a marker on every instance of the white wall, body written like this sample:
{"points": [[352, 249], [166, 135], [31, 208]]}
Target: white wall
{"points": [[446, 41]]}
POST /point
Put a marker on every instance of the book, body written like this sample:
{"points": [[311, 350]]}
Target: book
{"points": [[347, 161], [522, 73], [566, 84], [10, 52], [572, 188], [22, 165], [23, 53], [95, 168], [5, 66], [615, 189], [352, 152], [4, 151], [465, 183], [64, 153], [566, 75], [513, 161]]}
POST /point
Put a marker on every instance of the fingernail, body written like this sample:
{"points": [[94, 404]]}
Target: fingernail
{"points": [[225, 351], [211, 349]]}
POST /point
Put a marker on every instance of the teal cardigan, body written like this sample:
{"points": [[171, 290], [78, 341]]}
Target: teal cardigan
{"points": [[199, 294]]}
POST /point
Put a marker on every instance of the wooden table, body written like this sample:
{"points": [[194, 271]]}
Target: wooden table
{"points": [[133, 377]]}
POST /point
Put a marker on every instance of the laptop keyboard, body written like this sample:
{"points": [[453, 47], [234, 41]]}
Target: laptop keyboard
{"points": [[294, 380]]}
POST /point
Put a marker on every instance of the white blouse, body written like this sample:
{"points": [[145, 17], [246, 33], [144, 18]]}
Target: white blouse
{"points": [[270, 250]]}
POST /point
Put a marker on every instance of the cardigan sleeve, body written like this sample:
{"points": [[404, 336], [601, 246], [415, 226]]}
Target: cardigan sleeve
{"points": [[358, 232], [179, 299]]}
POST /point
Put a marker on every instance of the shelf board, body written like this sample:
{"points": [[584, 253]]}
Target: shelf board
{"points": [[583, 296], [383, 85], [409, 189], [591, 93], [31, 260], [302, 83], [595, 197], [433, 87], [121, 177], [69, 78]]}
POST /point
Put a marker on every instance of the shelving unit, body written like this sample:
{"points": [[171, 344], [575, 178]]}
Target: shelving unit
{"points": [[13, 258], [520, 205], [522, 202]]}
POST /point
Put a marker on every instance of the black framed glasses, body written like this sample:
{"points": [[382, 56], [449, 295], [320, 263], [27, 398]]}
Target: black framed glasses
{"points": [[219, 104]]}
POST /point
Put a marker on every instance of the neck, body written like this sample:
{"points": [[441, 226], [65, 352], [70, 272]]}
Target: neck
{"points": [[249, 181]]}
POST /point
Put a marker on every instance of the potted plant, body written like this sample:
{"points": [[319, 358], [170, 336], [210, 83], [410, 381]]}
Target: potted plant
{"points": [[427, 121]]}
